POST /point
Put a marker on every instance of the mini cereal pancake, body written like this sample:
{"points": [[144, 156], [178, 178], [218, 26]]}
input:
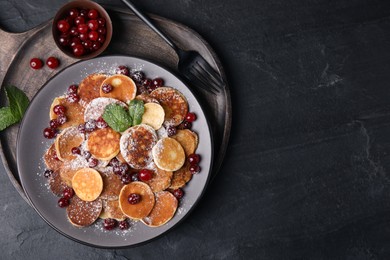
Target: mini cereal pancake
{"points": [[89, 88], [95, 108], [69, 138], [56, 184], [146, 98], [136, 145], [161, 180], [74, 112], [187, 139], [87, 184], [168, 154], [143, 207], [112, 186], [153, 115], [123, 88], [83, 213], [181, 177], [69, 168], [174, 103], [51, 159], [103, 143], [114, 211], [164, 209]]}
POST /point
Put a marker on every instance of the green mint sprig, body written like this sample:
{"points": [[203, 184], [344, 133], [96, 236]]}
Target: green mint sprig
{"points": [[119, 119], [18, 103]]}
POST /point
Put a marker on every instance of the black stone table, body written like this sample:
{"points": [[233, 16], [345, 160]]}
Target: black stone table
{"points": [[307, 173]]}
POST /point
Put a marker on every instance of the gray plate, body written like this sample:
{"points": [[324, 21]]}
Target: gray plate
{"points": [[32, 145]]}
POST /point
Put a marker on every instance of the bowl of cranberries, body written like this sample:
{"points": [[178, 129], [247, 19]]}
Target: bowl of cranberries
{"points": [[82, 29]]}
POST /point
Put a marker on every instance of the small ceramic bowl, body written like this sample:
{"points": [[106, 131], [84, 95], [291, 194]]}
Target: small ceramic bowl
{"points": [[63, 40]]}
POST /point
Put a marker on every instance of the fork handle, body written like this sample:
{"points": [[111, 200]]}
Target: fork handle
{"points": [[147, 20]]}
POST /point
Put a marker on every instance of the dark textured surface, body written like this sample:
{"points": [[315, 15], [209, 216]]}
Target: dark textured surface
{"points": [[307, 170]]}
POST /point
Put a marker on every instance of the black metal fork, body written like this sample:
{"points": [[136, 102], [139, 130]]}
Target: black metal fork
{"points": [[191, 64]]}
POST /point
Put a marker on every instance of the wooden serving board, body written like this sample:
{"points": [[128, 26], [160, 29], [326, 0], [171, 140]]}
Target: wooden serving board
{"points": [[130, 37]]}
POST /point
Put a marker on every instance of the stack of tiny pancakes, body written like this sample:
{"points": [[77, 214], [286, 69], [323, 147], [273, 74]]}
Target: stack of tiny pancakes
{"points": [[99, 193]]}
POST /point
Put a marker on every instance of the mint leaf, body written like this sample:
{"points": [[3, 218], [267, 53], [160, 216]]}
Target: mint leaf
{"points": [[18, 101], [136, 110], [6, 118], [116, 117]]}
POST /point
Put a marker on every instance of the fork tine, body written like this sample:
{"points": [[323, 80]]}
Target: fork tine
{"points": [[205, 79], [211, 72], [193, 75]]}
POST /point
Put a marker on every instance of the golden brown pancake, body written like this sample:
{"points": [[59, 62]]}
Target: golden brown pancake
{"points": [[83, 213], [74, 112], [161, 180], [188, 139], [153, 115], [168, 154], [164, 209], [56, 184], [87, 183], [69, 138], [174, 103], [136, 145], [95, 108], [89, 88], [181, 176], [124, 88], [112, 186], [69, 168], [112, 210], [146, 98], [141, 209], [103, 143], [51, 159]]}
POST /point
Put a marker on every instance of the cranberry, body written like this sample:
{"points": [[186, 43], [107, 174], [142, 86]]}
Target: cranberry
{"points": [[100, 123], [134, 177], [190, 117], [76, 150], [79, 20], [68, 193], [158, 82], [64, 40], [69, 21], [81, 128], [83, 13], [52, 62], [61, 119], [88, 44], [109, 224], [73, 98], [124, 224], [73, 31], [54, 123], [126, 178], [171, 131], [83, 37], [47, 173], [114, 162], [78, 49], [102, 30], [194, 169], [59, 109], [72, 89], [93, 14], [101, 21], [147, 83], [178, 193], [117, 170], [123, 70], [74, 41], [82, 28], [63, 26], [134, 198], [49, 133], [145, 175], [185, 125], [107, 88], [93, 35], [96, 46], [93, 25], [194, 158], [138, 76], [63, 202], [92, 162], [36, 63], [73, 13], [101, 39], [90, 126], [87, 155]]}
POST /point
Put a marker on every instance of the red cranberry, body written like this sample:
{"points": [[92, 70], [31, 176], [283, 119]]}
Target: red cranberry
{"points": [[79, 20], [109, 224], [93, 14], [81, 128], [47, 173], [138, 77], [73, 13], [62, 119], [147, 83], [145, 175], [83, 13], [63, 202], [101, 21], [59, 109], [178, 193], [194, 158], [134, 177], [74, 32], [93, 25], [73, 98], [96, 46], [68, 193], [117, 170], [74, 42], [54, 123], [190, 117], [114, 162], [88, 44], [82, 28], [92, 162], [186, 125], [63, 26], [124, 224], [76, 150], [72, 89], [194, 168], [69, 21], [171, 131], [52, 62], [158, 82], [83, 37], [93, 35], [123, 70], [90, 126], [49, 133], [100, 123], [126, 178], [102, 30], [134, 198], [107, 88], [36, 63], [78, 49], [64, 40], [101, 39]]}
